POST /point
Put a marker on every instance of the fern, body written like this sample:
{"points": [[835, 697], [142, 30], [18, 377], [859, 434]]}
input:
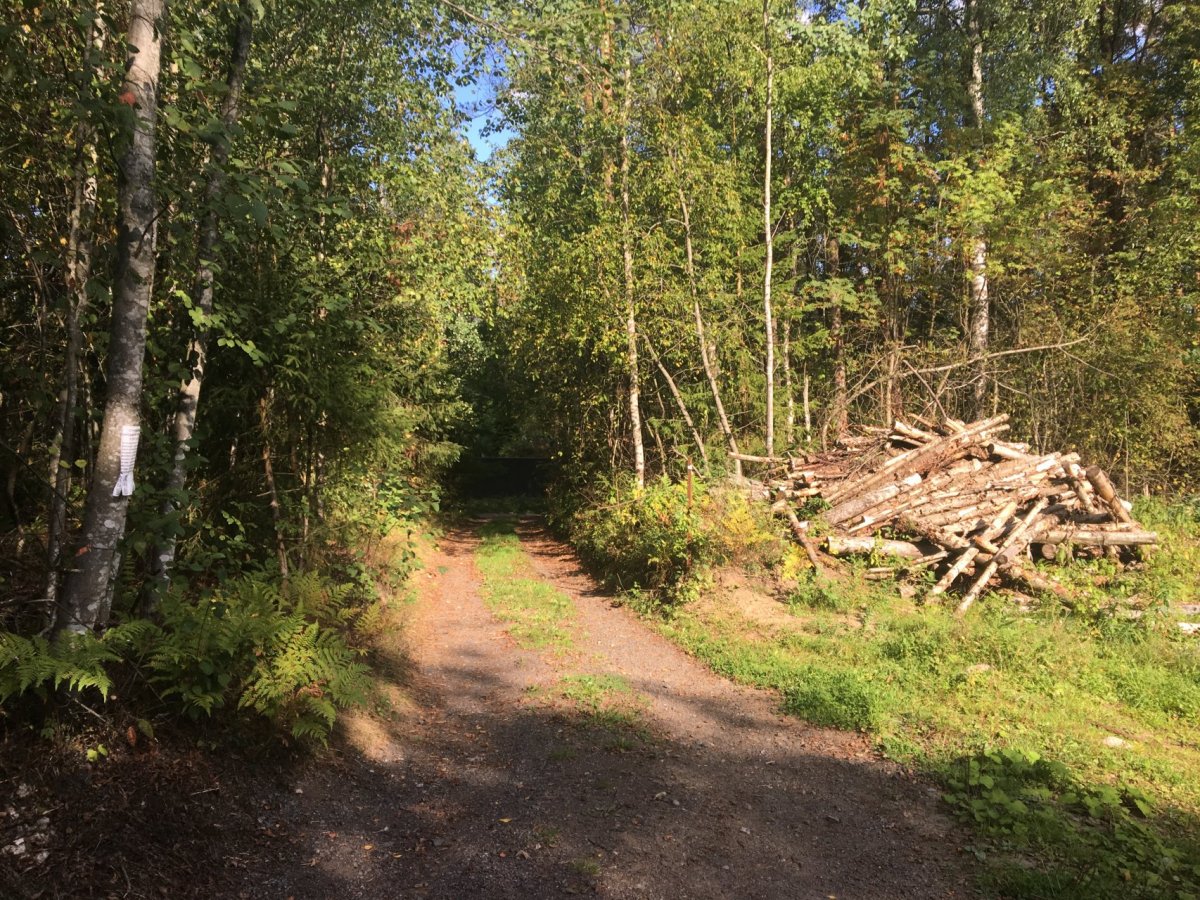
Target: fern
{"points": [[34, 663], [307, 673]]}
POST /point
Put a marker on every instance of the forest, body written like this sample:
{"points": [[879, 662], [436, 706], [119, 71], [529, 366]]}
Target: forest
{"points": [[275, 273]]}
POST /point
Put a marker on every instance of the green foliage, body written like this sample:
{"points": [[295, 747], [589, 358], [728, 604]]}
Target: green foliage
{"points": [[281, 653], [819, 591], [838, 698], [649, 539], [1098, 834], [36, 664], [285, 654]]}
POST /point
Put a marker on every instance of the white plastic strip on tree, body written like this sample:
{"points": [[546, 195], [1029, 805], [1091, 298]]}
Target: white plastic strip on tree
{"points": [[129, 447]]}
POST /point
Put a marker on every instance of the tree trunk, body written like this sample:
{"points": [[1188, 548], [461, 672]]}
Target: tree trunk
{"points": [[264, 405], [202, 300], [683, 410], [841, 403], [768, 235], [78, 265], [86, 599], [705, 360], [979, 308], [807, 406], [635, 412]]}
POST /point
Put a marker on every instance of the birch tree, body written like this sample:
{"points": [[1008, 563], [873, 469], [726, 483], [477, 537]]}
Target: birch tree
{"points": [[87, 594], [768, 228]]}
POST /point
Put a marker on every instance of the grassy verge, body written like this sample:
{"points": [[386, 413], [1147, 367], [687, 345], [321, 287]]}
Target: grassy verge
{"points": [[1070, 743], [537, 615]]}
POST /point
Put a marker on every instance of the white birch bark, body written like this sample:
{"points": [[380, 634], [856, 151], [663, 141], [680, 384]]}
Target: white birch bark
{"points": [[768, 236], [635, 411], [87, 594], [980, 308]]}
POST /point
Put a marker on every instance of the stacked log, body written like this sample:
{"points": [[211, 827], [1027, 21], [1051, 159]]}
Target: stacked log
{"points": [[955, 496]]}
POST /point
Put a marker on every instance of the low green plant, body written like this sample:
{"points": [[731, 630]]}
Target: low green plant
{"points": [[537, 615], [1095, 837], [76, 661], [282, 653], [840, 698], [606, 701], [649, 539]]}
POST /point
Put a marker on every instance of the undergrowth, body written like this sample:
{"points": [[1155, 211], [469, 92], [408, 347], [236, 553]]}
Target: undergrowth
{"points": [[290, 654], [654, 540]]}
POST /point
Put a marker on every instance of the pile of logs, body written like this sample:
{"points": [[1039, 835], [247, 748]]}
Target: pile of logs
{"points": [[954, 496]]}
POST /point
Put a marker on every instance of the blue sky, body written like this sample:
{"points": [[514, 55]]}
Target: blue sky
{"points": [[477, 102]]}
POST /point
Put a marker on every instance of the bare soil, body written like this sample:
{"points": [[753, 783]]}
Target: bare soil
{"points": [[481, 783]]}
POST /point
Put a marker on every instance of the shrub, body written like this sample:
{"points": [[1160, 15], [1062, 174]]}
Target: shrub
{"points": [[646, 539]]}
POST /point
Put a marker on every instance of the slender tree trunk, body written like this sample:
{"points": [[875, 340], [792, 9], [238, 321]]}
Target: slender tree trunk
{"points": [[24, 445], [635, 412], [979, 308], [705, 359], [807, 406], [78, 273], [202, 299], [683, 410], [87, 594], [789, 422], [264, 405], [768, 235], [837, 333]]}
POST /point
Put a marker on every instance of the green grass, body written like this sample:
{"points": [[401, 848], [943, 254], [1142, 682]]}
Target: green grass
{"points": [[537, 615], [1071, 743], [604, 701]]}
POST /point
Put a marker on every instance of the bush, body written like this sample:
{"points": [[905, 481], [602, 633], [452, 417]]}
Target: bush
{"points": [[646, 539]]}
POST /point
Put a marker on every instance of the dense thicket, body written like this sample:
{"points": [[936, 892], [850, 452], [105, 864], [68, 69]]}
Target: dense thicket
{"points": [[268, 200], [944, 207]]}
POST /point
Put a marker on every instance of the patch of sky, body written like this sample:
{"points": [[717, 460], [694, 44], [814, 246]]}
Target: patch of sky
{"points": [[476, 88]]}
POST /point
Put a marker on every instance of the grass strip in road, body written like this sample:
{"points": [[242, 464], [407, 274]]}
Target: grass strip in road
{"points": [[605, 701], [535, 613]]}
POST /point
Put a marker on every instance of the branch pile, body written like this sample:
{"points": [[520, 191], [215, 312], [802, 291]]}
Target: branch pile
{"points": [[954, 496]]}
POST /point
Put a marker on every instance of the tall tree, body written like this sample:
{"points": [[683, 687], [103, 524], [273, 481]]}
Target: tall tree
{"points": [[979, 315], [78, 268], [202, 293], [768, 226], [631, 333], [87, 596]]}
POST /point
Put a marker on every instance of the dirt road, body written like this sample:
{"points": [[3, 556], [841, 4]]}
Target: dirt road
{"points": [[489, 787]]}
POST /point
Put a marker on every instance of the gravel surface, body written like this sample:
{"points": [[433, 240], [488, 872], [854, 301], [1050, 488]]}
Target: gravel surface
{"points": [[488, 786]]}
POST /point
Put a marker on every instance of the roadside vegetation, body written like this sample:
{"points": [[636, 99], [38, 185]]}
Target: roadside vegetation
{"points": [[1066, 741]]}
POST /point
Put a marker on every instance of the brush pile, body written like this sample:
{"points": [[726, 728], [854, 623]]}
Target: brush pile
{"points": [[953, 496]]}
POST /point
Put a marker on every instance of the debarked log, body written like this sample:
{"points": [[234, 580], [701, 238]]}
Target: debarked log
{"points": [[842, 545], [1099, 538]]}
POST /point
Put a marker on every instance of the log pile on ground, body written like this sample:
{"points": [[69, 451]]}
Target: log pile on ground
{"points": [[954, 496]]}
